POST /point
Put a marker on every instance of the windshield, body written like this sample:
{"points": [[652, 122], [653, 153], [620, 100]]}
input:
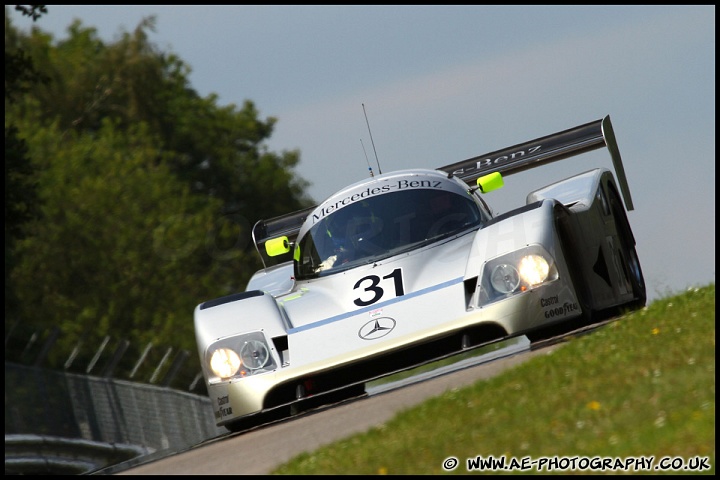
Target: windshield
{"points": [[381, 226]]}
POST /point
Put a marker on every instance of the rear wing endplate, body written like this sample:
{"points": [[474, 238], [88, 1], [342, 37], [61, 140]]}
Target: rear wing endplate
{"points": [[551, 148], [287, 225]]}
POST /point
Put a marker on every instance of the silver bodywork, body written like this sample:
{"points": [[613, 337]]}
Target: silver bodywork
{"points": [[304, 330]]}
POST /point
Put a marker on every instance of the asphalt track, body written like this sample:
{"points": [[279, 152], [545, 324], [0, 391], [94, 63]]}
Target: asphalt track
{"points": [[259, 451]]}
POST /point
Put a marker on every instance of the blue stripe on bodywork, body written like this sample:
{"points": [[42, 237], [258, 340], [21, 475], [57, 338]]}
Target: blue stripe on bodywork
{"points": [[402, 298]]}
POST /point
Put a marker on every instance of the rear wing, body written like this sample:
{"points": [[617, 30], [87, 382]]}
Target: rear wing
{"points": [[523, 156], [551, 148]]}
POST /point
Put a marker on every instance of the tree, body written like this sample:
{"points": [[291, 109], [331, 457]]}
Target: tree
{"points": [[122, 248], [147, 190], [20, 194], [219, 150]]}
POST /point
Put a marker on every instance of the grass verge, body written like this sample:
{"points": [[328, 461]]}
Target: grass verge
{"points": [[643, 386]]}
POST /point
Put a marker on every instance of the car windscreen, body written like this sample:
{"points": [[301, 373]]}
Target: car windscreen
{"points": [[384, 225]]}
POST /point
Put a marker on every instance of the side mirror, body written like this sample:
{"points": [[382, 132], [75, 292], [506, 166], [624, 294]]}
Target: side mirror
{"points": [[277, 246], [491, 181]]}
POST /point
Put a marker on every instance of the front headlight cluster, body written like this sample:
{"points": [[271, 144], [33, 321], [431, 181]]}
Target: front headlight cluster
{"points": [[515, 273], [240, 356]]}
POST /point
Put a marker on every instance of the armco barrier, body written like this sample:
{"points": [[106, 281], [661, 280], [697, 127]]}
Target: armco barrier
{"points": [[68, 413], [44, 455]]}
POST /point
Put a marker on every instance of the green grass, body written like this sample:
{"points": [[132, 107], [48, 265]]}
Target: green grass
{"points": [[641, 386]]}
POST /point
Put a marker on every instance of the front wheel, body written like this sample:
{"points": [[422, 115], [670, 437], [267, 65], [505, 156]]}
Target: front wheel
{"points": [[326, 399]]}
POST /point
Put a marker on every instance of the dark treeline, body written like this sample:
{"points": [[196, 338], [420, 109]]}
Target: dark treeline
{"points": [[129, 197]]}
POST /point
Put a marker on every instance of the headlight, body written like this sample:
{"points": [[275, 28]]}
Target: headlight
{"points": [[240, 356], [534, 269], [505, 278], [254, 354], [225, 362], [515, 273]]}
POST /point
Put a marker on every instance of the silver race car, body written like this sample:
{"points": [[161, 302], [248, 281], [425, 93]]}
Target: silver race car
{"points": [[411, 266]]}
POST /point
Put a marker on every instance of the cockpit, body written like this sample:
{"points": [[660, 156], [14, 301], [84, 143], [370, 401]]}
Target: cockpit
{"points": [[374, 227]]}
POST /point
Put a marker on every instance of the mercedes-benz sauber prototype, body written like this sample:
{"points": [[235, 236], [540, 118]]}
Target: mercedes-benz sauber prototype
{"points": [[407, 267]]}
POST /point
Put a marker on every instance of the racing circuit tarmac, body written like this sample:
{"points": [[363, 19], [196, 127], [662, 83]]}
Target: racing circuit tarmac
{"points": [[259, 451]]}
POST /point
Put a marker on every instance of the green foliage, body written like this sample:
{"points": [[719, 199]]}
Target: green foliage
{"points": [[218, 150], [20, 205], [34, 11], [146, 192], [121, 240], [20, 194], [641, 386], [20, 73]]}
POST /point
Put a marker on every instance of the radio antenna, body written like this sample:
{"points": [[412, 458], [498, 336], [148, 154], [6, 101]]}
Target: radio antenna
{"points": [[366, 158], [371, 140]]}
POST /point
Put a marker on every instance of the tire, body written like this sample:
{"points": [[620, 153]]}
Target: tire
{"points": [[327, 399], [254, 421], [628, 254]]}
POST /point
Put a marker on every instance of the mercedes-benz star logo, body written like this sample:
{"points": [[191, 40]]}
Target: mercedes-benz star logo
{"points": [[376, 328]]}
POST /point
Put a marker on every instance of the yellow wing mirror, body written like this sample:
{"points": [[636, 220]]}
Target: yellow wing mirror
{"points": [[277, 246], [491, 181]]}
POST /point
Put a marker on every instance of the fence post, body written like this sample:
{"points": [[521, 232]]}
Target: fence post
{"points": [[175, 367], [156, 373], [119, 352], [49, 342], [97, 355]]}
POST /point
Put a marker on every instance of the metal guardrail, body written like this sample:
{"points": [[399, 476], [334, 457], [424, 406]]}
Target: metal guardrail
{"points": [[46, 455], [64, 421]]}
